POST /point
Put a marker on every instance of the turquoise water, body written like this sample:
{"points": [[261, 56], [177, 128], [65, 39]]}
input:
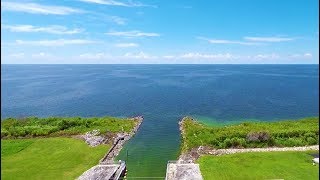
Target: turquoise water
{"points": [[163, 94]]}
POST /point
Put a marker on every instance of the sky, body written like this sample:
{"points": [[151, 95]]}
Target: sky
{"points": [[160, 32]]}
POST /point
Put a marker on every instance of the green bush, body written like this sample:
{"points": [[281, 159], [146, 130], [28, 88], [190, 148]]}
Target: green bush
{"points": [[310, 134], [4, 133], [311, 141], [227, 143], [214, 143], [238, 142]]}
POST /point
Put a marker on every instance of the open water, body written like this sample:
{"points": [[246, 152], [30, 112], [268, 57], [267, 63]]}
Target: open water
{"points": [[163, 94]]}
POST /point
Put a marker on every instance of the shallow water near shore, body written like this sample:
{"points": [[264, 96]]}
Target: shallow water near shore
{"points": [[163, 94]]}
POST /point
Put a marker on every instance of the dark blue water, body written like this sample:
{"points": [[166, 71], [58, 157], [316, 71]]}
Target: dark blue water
{"points": [[163, 94]]}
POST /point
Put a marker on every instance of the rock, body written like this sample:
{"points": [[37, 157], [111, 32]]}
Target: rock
{"points": [[316, 160], [257, 136], [92, 138]]}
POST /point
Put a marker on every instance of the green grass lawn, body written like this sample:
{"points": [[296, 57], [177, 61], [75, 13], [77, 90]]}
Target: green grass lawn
{"points": [[48, 158], [259, 165]]}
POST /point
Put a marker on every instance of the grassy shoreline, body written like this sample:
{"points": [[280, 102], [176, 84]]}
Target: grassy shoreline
{"points": [[44, 148], [285, 133], [219, 156], [31, 127]]}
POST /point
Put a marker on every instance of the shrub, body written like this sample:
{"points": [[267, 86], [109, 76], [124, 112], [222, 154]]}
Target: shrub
{"points": [[310, 134], [226, 143], [17, 131], [311, 141], [293, 142], [271, 142], [4, 133], [238, 142], [214, 143], [64, 124], [295, 133]]}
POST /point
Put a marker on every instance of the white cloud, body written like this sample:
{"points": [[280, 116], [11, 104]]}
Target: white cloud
{"points": [[223, 41], [266, 56], [34, 8], [219, 41], [126, 56], [118, 20], [268, 39], [41, 55], [140, 55], [58, 42], [145, 58], [94, 56], [125, 45], [17, 55], [54, 29], [143, 55], [117, 3], [134, 33], [102, 18], [169, 57], [305, 56], [207, 56], [248, 40]]}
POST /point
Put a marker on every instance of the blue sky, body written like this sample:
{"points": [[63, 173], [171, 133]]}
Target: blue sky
{"points": [[159, 31]]}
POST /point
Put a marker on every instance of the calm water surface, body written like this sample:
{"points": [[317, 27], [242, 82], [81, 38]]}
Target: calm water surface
{"points": [[163, 94]]}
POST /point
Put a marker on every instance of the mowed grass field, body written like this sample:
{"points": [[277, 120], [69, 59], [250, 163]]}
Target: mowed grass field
{"points": [[259, 165], [48, 158]]}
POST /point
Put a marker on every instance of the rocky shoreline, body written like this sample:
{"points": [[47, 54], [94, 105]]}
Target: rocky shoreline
{"points": [[192, 155], [182, 131], [118, 142], [107, 167], [94, 138]]}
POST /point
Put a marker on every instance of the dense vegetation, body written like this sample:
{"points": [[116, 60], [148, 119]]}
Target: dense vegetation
{"points": [[47, 158], [259, 165], [251, 134], [57, 126]]}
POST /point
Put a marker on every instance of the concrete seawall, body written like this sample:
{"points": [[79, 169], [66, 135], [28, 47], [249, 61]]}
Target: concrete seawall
{"points": [[107, 168], [178, 170]]}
